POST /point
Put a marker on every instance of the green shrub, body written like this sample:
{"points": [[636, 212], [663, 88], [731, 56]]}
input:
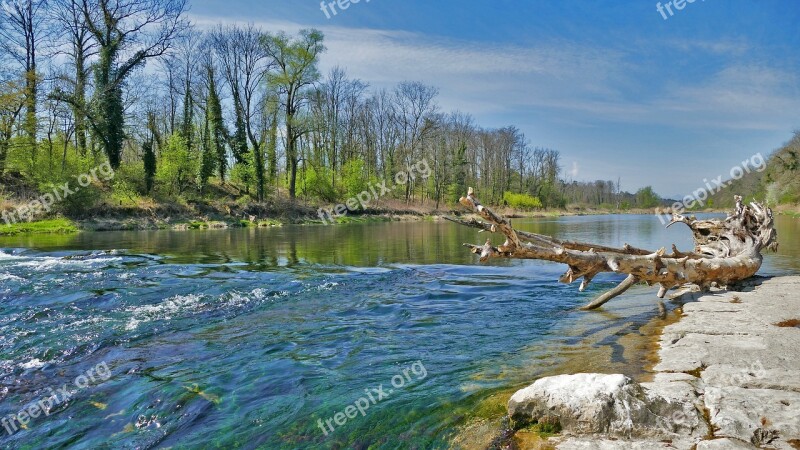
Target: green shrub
{"points": [[522, 201], [243, 174], [127, 184], [353, 180], [316, 182], [178, 167]]}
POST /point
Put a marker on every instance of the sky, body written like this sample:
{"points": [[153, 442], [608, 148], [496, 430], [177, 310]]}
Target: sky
{"points": [[618, 89]]}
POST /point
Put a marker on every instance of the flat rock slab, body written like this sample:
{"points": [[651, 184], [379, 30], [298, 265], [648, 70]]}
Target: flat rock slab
{"points": [[749, 367], [726, 357], [725, 444], [760, 416], [608, 444]]}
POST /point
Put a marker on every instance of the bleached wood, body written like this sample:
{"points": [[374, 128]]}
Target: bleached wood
{"points": [[726, 251]]}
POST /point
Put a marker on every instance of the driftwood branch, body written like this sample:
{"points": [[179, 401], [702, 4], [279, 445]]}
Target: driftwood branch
{"points": [[726, 251]]}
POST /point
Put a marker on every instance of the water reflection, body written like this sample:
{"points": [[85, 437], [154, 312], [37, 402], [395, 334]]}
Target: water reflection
{"points": [[378, 244]]}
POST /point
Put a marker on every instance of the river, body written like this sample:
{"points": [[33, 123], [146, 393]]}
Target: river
{"points": [[264, 338]]}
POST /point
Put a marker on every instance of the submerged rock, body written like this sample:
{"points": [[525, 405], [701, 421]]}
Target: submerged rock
{"points": [[612, 405]]}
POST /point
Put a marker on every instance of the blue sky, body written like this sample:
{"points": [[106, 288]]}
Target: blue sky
{"points": [[612, 85]]}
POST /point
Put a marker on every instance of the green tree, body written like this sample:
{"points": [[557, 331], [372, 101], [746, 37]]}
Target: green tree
{"points": [[296, 70], [187, 127], [149, 154], [128, 33], [460, 163], [647, 198], [272, 141], [208, 158], [69, 17], [217, 134], [149, 159], [243, 173]]}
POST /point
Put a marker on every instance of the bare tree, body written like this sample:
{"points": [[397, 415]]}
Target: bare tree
{"points": [[245, 64], [22, 30], [79, 46], [384, 131], [12, 101], [414, 107], [336, 106]]}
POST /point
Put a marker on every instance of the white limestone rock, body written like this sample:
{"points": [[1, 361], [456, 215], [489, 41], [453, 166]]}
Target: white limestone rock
{"points": [[612, 405]]}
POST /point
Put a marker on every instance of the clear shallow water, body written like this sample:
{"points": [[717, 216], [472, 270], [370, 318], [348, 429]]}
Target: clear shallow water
{"points": [[246, 338]]}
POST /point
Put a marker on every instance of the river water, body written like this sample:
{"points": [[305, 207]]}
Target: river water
{"points": [[263, 338]]}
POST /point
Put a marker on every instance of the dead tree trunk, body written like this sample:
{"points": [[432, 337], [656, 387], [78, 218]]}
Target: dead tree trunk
{"points": [[726, 251]]}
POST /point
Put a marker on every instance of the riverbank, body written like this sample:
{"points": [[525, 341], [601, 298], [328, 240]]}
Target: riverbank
{"points": [[276, 212], [205, 215], [725, 378]]}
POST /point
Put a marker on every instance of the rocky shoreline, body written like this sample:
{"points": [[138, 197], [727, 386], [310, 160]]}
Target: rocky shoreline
{"points": [[727, 379]]}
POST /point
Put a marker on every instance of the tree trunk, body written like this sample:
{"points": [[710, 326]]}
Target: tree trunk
{"points": [[726, 251]]}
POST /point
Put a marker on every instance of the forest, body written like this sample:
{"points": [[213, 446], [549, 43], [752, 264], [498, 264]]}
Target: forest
{"points": [[237, 120]]}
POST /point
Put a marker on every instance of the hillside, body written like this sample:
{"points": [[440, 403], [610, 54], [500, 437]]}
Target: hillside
{"points": [[779, 184]]}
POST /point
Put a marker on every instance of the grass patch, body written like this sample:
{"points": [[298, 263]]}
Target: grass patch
{"points": [[202, 225], [343, 220], [262, 223], [53, 226], [545, 428], [266, 223]]}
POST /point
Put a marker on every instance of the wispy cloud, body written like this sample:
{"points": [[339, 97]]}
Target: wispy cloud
{"points": [[486, 77], [744, 96], [719, 47]]}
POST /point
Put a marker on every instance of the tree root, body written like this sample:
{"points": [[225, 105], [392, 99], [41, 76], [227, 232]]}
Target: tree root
{"points": [[726, 251]]}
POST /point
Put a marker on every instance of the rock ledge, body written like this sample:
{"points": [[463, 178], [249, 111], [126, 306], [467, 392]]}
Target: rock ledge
{"points": [[727, 379]]}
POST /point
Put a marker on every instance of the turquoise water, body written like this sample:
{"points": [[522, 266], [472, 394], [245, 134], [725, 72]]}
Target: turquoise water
{"points": [[253, 338]]}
